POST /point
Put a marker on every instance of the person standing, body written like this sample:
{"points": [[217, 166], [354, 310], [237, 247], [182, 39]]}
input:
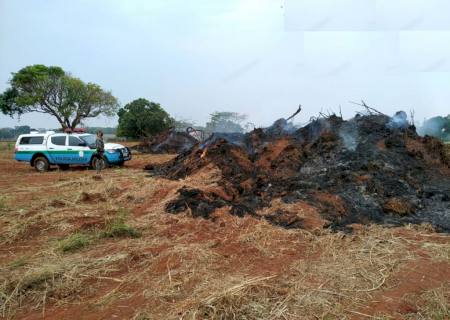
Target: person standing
{"points": [[100, 148]]}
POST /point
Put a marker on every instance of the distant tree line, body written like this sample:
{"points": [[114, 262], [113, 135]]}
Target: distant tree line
{"points": [[13, 133]]}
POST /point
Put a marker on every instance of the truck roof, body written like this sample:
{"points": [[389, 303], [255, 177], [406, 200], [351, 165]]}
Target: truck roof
{"points": [[49, 133]]}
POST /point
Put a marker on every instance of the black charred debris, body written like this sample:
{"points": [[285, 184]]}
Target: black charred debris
{"points": [[376, 167]]}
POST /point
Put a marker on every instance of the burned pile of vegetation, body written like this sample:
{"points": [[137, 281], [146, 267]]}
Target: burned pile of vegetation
{"points": [[370, 169], [170, 141]]}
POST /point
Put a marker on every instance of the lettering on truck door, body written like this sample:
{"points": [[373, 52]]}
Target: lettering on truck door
{"points": [[80, 152], [57, 149]]}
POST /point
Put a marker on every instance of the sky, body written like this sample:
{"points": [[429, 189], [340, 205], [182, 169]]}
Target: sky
{"points": [[257, 57]]}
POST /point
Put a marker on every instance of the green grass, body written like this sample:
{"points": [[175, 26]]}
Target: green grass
{"points": [[74, 242], [20, 262], [3, 206], [118, 228], [115, 228]]}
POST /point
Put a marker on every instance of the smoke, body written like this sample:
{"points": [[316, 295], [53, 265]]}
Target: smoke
{"points": [[398, 121], [235, 138], [279, 127], [314, 129], [438, 127], [349, 136]]}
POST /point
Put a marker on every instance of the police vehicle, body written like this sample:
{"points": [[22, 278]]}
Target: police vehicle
{"points": [[42, 150]]}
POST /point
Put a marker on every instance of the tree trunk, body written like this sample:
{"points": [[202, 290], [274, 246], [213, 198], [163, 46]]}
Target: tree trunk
{"points": [[63, 125], [75, 122]]}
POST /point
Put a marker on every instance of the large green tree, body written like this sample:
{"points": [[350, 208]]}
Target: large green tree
{"points": [[142, 119], [53, 91], [225, 121]]}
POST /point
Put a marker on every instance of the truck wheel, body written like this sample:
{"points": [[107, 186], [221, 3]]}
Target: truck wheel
{"points": [[41, 164], [121, 163]]}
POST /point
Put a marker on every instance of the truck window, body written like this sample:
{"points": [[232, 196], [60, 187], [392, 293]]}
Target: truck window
{"points": [[32, 140], [74, 141], [59, 140]]}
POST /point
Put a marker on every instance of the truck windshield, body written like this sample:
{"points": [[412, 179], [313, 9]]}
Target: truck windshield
{"points": [[89, 139]]}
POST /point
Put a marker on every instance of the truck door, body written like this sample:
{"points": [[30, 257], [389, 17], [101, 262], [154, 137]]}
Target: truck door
{"points": [[56, 145], [80, 153]]}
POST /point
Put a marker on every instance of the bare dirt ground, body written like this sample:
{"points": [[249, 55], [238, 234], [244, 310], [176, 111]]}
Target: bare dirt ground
{"points": [[73, 246]]}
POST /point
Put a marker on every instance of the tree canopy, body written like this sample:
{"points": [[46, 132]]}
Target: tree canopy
{"points": [[53, 91], [225, 121], [142, 119]]}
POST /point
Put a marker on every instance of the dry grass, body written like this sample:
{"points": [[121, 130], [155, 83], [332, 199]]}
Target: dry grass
{"points": [[447, 152], [252, 298], [335, 285], [46, 276], [438, 251], [57, 280], [432, 304], [7, 149], [142, 315], [16, 228]]}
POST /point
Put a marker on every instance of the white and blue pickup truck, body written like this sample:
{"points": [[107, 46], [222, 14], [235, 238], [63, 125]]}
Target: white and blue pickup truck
{"points": [[63, 149]]}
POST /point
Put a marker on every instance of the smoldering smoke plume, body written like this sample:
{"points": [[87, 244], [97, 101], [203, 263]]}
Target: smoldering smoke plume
{"points": [[438, 127], [398, 121], [281, 126], [349, 136]]}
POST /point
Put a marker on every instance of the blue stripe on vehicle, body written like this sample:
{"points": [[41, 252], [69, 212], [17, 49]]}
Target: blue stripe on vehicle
{"points": [[24, 156], [56, 157], [69, 156]]}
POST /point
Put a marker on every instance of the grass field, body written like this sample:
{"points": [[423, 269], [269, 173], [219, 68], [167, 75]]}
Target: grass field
{"points": [[76, 246]]}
